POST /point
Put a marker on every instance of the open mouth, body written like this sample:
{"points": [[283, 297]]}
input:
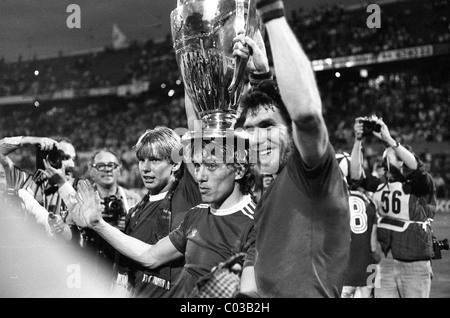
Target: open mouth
{"points": [[148, 179], [265, 153], [69, 170]]}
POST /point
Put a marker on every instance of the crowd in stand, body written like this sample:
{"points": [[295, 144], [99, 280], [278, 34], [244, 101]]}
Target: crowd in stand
{"points": [[332, 31], [420, 114], [412, 100], [326, 31]]}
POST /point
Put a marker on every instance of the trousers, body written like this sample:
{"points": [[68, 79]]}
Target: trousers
{"points": [[398, 279]]}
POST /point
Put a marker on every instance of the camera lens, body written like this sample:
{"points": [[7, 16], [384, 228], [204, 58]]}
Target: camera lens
{"points": [[55, 158], [114, 205]]}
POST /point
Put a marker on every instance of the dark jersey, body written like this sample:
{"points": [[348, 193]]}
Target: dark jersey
{"points": [[362, 219], [207, 237], [303, 231], [147, 222]]}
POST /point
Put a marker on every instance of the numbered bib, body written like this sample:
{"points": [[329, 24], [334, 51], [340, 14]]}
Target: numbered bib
{"points": [[392, 201]]}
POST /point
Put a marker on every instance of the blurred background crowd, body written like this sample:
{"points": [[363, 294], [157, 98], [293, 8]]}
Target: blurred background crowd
{"points": [[411, 95]]}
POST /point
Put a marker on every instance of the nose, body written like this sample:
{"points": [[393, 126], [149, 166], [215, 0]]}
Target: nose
{"points": [[109, 169], [69, 163], [200, 174], [257, 137], [144, 165]]}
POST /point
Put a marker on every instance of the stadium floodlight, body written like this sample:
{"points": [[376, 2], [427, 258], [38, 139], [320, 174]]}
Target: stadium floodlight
{"points": [[363, 73]]}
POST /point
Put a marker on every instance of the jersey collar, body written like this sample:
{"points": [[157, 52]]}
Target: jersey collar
{"points": [[233, 209]]}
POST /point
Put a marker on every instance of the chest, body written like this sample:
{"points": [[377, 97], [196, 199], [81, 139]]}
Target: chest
{"points": [[393, 200]]}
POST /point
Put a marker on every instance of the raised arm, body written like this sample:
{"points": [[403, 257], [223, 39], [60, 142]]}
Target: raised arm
{"points": [[356, 171], [297, 83], [10, 144], [404, 154]]}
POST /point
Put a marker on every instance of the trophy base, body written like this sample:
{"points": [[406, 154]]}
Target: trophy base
{"points": [[197, 145], [218, 120]]}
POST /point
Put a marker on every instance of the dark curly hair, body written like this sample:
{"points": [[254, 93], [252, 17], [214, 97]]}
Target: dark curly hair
{"points": [[247, 182], [267, 95]]}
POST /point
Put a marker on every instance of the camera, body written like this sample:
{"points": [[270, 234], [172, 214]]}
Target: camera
{"points": [[54, 157], [370, 125], [114, 209], [438, 246]]}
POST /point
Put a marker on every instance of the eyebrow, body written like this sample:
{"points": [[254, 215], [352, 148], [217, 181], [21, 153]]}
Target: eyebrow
{"points": [[263, 123], [150, 158], [105, 163]]}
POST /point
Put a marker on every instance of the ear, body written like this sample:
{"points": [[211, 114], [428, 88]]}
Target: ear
{"points": [[90, 171], [176, 166], [240, 171]]}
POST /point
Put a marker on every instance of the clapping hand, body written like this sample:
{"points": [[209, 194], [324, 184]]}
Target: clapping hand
{"points": [[89, 210], [56, 223]]}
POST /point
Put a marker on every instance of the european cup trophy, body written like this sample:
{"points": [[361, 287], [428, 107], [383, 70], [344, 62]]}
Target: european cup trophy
{"points": [[203, 33]]}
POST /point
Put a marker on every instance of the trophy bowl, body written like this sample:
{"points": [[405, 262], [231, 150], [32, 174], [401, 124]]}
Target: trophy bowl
{"points": [[203, 33]]}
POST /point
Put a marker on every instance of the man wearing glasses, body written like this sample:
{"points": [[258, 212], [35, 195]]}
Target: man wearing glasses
{"points": [[104, 171]]}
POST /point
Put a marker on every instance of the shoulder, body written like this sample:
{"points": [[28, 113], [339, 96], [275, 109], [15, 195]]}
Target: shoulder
{"points": [[196, 212], [249, 210]]}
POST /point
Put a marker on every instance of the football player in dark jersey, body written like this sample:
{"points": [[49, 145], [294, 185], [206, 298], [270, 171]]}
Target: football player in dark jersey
{"points": [[210, 233], [302, 220], [360, 276]]}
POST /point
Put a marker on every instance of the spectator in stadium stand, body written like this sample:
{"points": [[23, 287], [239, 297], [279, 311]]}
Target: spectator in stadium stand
{"points": [[52, 188], [305, 209], [406, 202], [104, 169]]}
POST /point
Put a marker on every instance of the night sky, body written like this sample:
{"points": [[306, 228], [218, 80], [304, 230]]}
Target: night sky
{"points": [[38, 27]]}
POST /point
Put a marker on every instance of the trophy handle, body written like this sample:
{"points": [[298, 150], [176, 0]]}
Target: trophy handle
{"points": [[240, 63]]}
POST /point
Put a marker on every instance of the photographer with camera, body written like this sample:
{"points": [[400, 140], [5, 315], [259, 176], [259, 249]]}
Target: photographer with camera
{"points": [[406, 203], [104, 171], [54, 168]]}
